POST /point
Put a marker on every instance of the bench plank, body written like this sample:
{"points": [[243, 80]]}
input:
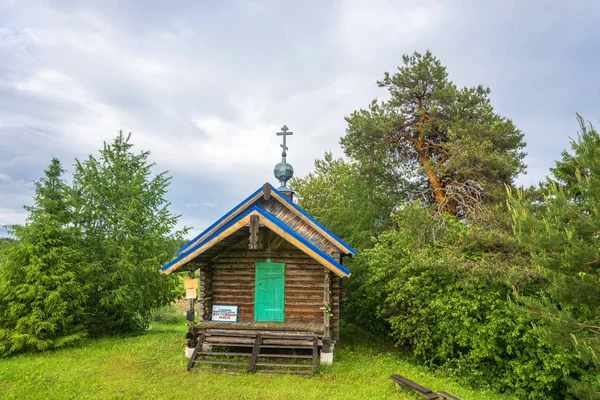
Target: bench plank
{"points": [[421, 390], [447, 396]]}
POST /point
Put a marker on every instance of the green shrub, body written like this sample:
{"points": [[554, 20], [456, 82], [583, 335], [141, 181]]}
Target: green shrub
{"points": [[167, 315], [444, 287]]}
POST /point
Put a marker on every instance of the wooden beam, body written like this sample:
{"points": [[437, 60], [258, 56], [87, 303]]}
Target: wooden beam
{"points": [[267, 191], [254, 226], [255, 351]]}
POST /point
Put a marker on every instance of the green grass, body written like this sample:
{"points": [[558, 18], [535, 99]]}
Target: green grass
{"points": [[152, 366]]}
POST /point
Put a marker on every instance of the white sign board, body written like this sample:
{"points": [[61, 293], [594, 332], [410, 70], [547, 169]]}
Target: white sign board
{"points": [[224, 313]]}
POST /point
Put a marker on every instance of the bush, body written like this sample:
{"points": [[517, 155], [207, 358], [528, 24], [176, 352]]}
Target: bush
{"points": [[444, 287], [167, 315]]}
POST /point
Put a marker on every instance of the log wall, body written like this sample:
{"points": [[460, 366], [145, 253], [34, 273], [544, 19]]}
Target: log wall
{"points": [[336, 283], [233, 283]]}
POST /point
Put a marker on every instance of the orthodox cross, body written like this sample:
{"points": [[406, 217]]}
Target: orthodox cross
{"points": [[284, 132]]}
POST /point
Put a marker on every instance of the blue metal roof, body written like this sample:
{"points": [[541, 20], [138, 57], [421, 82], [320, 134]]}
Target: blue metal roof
{"points": [[248, 202], [233, 210], [184, 254], [307, 215], [330, 260]]}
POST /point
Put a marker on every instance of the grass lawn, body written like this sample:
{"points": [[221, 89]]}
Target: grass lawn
{"points": [[152, 366]]}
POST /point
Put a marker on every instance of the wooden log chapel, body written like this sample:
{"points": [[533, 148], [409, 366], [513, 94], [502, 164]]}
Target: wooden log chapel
{"points": [[269, 284]]}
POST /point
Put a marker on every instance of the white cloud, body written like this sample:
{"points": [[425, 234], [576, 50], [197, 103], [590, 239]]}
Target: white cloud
{"points": [[365, 30], [201, 204], [9, 216], [206, 89]]}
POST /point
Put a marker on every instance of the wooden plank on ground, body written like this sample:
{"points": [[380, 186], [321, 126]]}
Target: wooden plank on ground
{"points": [[448, 396], [421, 390]]}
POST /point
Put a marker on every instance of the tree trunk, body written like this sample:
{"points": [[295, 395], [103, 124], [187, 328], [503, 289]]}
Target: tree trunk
{"points": [[438, 189], [434, 180]]}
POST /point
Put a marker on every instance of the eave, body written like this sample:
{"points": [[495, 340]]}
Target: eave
{"points": [[271, 222], [268, 190]]}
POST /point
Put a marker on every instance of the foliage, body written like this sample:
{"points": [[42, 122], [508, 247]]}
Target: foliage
{"points": [[152, 366], [443, 287], [466, 152], [562, 235], [167, 314], [336, 190], [41, 300], [127, 233], [5, 243]]}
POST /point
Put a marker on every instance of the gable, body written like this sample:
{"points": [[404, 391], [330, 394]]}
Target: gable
{"points": [[270, 199], [236, 224]]}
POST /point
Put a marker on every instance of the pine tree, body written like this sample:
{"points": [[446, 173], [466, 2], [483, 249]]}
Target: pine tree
{"points": [[41, 299], [128, 233], [465, 152]]}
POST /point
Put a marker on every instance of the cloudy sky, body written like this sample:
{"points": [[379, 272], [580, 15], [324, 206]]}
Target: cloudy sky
{"points": [[204, 85]]}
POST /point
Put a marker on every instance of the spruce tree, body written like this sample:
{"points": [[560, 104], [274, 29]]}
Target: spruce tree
{"points": [[562, 232], [128, 233], [42, 302]]}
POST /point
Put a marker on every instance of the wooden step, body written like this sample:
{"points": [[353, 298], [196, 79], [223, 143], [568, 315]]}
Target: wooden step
{"points": [[258, 342], [220, 362], [292, 356], [289, 335], [253, 334], [268, 364], [278, 342], [223, 353], [282, 371], [226, 340], [231, 344], [287, 346], [221, 370], [288, 342]]}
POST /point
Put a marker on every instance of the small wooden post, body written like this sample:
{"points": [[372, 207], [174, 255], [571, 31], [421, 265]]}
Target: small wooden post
{"points": [[266, 191], [254, 227]]}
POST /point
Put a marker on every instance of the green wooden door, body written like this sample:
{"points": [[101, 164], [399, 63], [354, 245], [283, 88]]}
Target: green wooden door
{"points": [[268, 291]]}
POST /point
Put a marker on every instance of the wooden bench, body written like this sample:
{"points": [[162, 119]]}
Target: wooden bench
{"points": [[423, 391], [447, 396]]}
